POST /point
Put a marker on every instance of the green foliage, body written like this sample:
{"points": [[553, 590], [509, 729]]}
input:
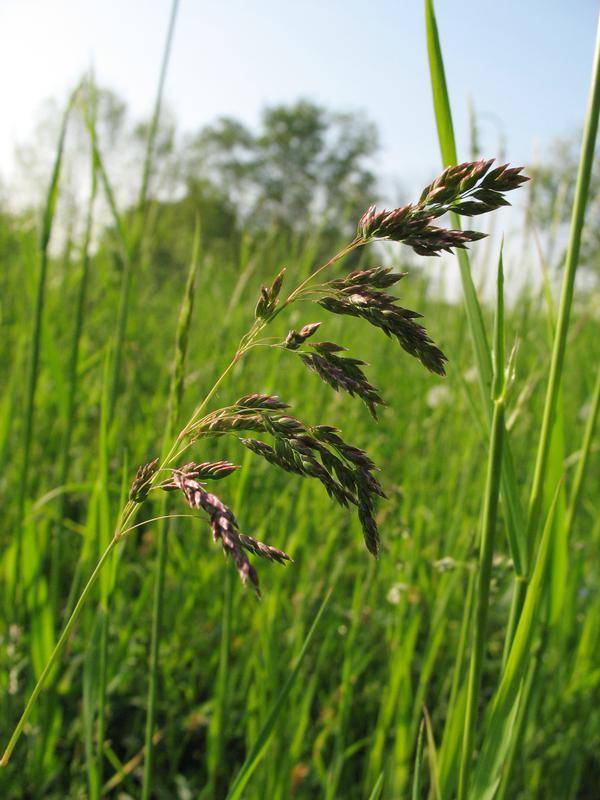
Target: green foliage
{"points": [[304, 165], [285, 698]]}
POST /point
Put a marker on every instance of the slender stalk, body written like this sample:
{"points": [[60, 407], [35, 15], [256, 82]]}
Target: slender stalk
{"points": [[131, 509], [520, 723], [353, 245], [535, 509], [486, 553], [57, 651], [483, 592]]}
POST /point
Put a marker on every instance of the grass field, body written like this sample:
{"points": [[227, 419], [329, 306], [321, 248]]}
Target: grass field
{"points": [[463, 662]]}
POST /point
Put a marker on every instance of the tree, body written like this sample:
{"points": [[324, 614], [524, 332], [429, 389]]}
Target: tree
{"points": [[304, 166]]}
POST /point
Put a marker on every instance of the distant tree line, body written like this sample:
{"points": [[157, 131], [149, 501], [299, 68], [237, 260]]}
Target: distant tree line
{"points": [[302, 169]]}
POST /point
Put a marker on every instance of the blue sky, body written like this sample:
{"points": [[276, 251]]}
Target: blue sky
{"points": [[525, 65]]}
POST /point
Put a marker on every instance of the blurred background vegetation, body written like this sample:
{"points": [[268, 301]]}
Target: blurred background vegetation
{"points": [[286, 193]]}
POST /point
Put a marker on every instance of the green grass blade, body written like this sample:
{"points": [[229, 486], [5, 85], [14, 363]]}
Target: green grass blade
{"points": [[568, 524], [416, 786], [506, 700], [173, 414], [451, 739], [48, 669], [535, 507], [485, 569], [34, 359], [65, 457], [434, 772], [486, 552], [258, 750], [377, 789], [499, 334], [443, 115]]}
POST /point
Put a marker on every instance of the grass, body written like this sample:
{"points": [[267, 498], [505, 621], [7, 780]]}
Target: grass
{"points": [[351, 678]]}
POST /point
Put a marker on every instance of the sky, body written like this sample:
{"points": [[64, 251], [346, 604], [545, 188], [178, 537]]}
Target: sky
{"points": [[524, 65]]}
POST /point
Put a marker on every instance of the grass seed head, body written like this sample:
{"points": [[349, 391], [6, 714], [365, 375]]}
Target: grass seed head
{"points": [[141, 483], [467, 189], [225, 529]]}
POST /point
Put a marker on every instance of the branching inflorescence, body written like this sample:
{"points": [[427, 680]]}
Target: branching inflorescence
{"points": [[320, 451], [312, 451]]}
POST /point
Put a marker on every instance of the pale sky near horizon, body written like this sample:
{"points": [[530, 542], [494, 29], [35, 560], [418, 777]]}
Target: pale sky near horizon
{"points": [[526, 65]]}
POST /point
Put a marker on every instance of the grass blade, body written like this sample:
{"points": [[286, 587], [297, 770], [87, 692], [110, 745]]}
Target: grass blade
{"points": [[176, 394], [377, 789], [434, 773], [443, 115], [506, 700], [55, 560], [486, 553], [256, 753], [416, 787], [535, 507], [34, 360]]}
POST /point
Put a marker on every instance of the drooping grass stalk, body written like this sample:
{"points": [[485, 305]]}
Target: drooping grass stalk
{"points": [[582, 185], [34, 359], [357, 294], [486, 550], [515, 519], [65, 457], [128, 514], [173, 414], [258, 750]]}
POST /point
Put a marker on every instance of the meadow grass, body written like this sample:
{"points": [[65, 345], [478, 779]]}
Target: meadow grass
{"points": [[463, 660]]}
